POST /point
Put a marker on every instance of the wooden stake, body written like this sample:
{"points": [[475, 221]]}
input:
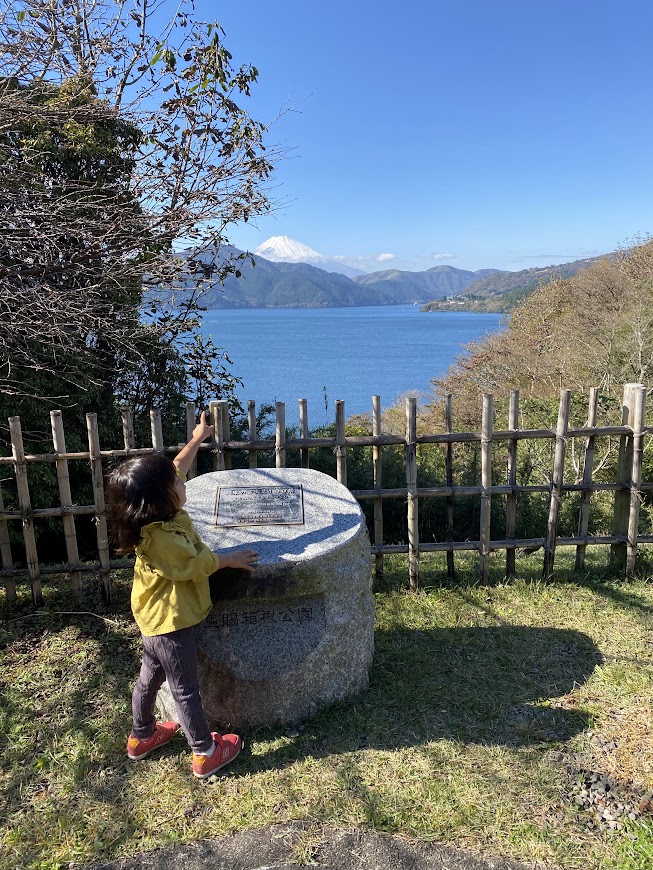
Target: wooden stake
{"points": [[557, 481], [636, 476], [226, 431], [252, 435], [448, 470], [378, 473], [218, 436], [280, 437], [303, 432], [66, 499], [191, 416], [25, 504], [97, 478], [128, 437], [588, 471], [486, 486], [511, 479], [621, 515], [341, 450], [411, 485], [157, 430], [5, 552]]}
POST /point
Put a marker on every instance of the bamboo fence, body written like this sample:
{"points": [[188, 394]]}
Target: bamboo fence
{"points": [[628, 487]]}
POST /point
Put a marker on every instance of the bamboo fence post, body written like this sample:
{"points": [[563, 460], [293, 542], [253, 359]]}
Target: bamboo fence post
{"points": [[639, 409], [341, 450], [218, 444], [251, 433], [5, 552], [25, 504], [190, 425], [486, 486], [65, 495], [128, 437], [280, 437], [226, 431], [621, 511], [97, 478], [377, 462], [411, 486], [448, 471], [588, 471], [511, 479], [557, 481], [157, 430], [304, 460]]}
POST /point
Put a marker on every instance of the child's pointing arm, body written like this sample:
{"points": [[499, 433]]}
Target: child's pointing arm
{"points": [[184, 459]]}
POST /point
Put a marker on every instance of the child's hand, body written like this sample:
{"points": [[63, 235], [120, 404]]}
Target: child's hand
{"points": [[241, 559], [202, 430]]}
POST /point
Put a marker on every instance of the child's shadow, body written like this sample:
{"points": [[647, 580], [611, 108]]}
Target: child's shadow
{"points": [[505, 685]]}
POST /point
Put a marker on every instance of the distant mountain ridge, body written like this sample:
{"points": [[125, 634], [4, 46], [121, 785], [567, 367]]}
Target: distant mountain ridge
{"points": [[435, 282], [270, 284], [501, 291], [300, 285]]}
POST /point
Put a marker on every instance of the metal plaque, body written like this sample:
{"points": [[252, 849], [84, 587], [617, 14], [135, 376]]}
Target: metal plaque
{"points": [[259, 505]]}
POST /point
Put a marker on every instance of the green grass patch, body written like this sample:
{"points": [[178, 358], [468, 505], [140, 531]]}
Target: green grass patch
{"points": [[484, 704]]}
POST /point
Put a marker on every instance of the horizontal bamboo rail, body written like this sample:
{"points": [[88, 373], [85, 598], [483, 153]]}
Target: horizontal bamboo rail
{"points": [[349, 441], [508, 544], [628, 487]]}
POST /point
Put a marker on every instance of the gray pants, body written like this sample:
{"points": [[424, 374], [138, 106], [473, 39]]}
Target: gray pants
{"points": [[171, 656]]}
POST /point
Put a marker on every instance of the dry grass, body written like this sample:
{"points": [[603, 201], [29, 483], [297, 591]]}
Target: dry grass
{"points": [[481, 702]]}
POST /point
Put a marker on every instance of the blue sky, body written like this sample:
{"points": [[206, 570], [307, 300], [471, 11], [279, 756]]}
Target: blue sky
{"points": [[473, 133]]}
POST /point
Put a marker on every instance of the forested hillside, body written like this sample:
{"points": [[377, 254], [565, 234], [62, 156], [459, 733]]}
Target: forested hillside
{"points": [[289, 285], [594, 329], [261, 283], [501, 291], [438, 281]]}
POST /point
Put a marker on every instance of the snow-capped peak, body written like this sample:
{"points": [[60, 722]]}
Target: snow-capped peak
{"points": [[286, 250], [283, 249]]}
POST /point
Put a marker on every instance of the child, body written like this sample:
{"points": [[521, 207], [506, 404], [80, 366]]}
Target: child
{"points": [[170, 597]]}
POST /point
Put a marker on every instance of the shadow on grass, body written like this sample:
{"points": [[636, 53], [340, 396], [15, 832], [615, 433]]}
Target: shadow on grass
{"points": [[468, 685], [488, 686], [609, 587], [600, 575], [64, 718]]}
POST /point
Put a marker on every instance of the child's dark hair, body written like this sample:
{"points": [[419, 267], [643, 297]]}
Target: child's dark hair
{"points": [[140, 491]]}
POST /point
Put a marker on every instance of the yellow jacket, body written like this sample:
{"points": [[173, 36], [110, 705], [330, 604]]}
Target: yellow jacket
{"points": [[171, 576]]}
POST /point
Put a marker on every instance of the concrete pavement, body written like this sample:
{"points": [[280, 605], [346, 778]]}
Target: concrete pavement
{"points": [[294, 845]]}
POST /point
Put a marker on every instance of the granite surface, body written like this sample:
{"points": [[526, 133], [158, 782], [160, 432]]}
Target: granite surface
{"points": [[332, 516], [297, 633]]}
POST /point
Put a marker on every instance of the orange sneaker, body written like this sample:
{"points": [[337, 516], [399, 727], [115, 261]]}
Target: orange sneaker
{"points": [[227, 748], [163, 733]]}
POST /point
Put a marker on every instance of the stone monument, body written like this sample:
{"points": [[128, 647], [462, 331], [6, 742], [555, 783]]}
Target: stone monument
{"points": [[297, 634]]}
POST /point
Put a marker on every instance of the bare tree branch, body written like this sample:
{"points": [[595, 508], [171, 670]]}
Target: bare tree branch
{"points": [[125, 156]]}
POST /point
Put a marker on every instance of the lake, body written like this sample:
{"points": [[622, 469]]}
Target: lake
{"points": [[286, 354]]}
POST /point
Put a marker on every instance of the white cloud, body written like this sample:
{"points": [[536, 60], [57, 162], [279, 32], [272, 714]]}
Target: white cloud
{"points": [[444, 256], [382, 258]]}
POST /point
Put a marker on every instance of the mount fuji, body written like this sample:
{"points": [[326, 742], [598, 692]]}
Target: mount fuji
{"points": [[284, 249]]}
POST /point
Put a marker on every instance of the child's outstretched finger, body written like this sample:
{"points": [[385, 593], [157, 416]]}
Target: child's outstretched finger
{"points": [[203, 427]]}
